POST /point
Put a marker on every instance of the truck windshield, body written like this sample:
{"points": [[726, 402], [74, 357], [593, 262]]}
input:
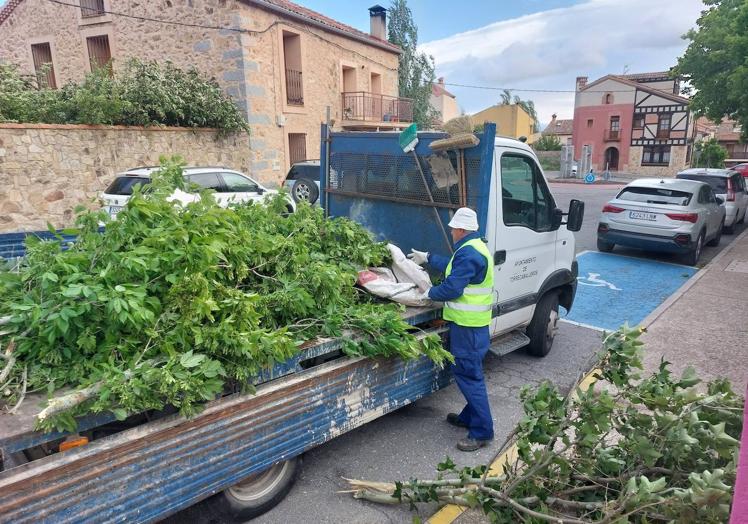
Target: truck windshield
{"points": [[655, 195], [123, 185]]}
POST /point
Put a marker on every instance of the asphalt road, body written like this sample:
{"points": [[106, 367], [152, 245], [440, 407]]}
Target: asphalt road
{"points": [[411, 441]]}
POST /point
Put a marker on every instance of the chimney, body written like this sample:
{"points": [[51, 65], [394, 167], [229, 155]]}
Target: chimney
{"points": [[581, 82], [441, 80], [378, 19]]}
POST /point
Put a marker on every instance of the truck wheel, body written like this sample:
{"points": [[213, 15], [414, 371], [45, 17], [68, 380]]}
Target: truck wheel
{"points": [[261, 492], [543, 326], [305, 190], [605, 247]]}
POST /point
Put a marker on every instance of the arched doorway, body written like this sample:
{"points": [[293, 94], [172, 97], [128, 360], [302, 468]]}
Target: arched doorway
{"points": [[611, 158]]}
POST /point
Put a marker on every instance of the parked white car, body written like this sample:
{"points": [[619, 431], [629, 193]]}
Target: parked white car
{"points": [[676, 216], [728, 185], [229, 186]]}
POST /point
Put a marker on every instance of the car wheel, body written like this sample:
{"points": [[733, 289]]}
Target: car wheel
{"points": [[605, 247], [305, 190], [543, 326], [729, 230], [692, 258], [261, 492], [718, 236]]}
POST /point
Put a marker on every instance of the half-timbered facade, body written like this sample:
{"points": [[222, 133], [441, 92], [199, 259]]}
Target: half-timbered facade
{"points": [[634, 123]]}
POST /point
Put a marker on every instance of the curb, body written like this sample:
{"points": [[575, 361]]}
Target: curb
{"points": [[450, 512], [672, 299]]}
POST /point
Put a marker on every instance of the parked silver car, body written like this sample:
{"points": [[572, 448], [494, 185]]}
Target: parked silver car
{"points": [[676, 216], [728, 185]]}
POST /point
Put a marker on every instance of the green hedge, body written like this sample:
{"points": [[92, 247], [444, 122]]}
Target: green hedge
{"points": [[140, 94]]}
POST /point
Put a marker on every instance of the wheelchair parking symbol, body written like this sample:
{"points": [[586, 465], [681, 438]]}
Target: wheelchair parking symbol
{"points": [[592, 279]]}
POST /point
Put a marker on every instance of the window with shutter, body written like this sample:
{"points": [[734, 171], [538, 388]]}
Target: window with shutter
{"points": [[99, 54], [296, 147], [91, 8], [45, 72]]}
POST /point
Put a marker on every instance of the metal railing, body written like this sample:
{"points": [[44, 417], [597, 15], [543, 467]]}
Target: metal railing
{"points": [[612, 135], [294, 88], [373, 107], [738, 155]]}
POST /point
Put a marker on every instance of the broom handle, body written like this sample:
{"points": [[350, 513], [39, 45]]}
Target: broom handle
{"points": [[431, 199]]}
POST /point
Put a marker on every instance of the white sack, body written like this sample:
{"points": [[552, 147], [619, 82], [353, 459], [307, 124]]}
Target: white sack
{"points": [[405, 283]]}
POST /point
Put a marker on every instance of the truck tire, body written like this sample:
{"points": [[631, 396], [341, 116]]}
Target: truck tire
{"points": [[305, 190], [261, 492], [543, 326]]}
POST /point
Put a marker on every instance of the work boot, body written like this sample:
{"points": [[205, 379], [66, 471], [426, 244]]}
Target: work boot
{"points": [[454, 419], [471, 444]]}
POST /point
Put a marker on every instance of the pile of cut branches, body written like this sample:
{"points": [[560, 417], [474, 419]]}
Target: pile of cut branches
{"points": [[173, 304], [629, 449]]}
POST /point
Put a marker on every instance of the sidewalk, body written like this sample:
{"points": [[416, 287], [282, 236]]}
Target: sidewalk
{"points": [[702, 325]]}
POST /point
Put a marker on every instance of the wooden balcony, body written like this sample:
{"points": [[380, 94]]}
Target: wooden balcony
{"points": [[364, 109], [612, 135]]}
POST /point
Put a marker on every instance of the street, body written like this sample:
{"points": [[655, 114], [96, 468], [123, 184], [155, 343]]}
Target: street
{"points": [[409, 442]]}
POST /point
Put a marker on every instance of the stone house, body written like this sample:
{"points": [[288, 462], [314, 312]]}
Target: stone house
{"points": [[633, 123], [443, 102], [283, 64], [560, 128]]}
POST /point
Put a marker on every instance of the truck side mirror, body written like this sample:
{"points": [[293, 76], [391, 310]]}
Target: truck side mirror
{"points": [[575, 215], [558, 217]]}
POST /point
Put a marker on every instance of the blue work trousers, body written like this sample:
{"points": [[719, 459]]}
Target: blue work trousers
{"points": [[469, 346]]}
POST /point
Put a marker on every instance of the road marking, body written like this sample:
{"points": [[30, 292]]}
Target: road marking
{"points": [[593, 280], [450, 512], [615, 289]]}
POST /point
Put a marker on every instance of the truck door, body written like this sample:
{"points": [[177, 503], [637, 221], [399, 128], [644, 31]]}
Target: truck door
{"points": [[524, 237]]}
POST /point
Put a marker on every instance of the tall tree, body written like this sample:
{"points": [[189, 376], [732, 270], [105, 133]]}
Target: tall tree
{"points": [[415, 70], [716, 62]]}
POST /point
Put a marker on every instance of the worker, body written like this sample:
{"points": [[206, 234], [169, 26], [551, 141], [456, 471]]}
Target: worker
{"points": [[467, 293]]}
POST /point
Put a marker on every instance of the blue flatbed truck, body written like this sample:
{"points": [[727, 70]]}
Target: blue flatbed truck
{"points": [[247, 445]]}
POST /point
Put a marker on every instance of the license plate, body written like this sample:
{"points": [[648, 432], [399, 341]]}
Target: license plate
{"points": [[113, 210], [638, 215]]}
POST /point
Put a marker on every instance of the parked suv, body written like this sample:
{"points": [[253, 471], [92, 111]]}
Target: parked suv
{"points": [[676, 216], [727, 184], [302, 181], [230, 186]]}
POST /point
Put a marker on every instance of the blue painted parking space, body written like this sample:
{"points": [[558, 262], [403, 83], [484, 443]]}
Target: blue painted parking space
{"points": [[615, 289]]}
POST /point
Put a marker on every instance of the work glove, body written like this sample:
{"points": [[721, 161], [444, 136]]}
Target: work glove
{"points": [[419, 257]]}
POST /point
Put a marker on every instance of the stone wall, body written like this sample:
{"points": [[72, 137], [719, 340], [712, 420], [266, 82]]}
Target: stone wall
{"points": [[245, 56], [47, 170], [677, 163]]}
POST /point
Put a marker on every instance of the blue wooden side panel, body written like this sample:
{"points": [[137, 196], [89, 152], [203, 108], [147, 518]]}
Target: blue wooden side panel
{"points": [[147, 473], [406, 224]]}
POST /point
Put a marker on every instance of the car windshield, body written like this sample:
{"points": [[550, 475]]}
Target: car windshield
{"points": [[123, 185], [655, 195], [718, 183]]}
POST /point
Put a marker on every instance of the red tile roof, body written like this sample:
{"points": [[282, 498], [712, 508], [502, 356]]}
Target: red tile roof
{"points": [[559, 127], [308, 14], [279, 6], [8, 9], [438, 89], [637, 77]]}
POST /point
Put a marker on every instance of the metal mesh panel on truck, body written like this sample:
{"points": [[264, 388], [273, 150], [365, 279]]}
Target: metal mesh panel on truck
{"points": [[397, 177]]}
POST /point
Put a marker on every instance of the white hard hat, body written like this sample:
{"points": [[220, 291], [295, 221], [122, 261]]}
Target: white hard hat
{"points": [[465, 218]]}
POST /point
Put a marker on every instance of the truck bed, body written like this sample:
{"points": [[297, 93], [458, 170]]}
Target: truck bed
{"points": [[17, 431]]}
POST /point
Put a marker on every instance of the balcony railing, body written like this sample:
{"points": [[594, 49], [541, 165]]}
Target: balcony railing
{"points": [[294, 88], [738, 155], [373, 107], [663, 133], [612, 135]]}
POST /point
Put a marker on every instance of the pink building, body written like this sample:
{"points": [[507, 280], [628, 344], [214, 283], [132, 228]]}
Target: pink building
{"points": [[633, 123]]}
